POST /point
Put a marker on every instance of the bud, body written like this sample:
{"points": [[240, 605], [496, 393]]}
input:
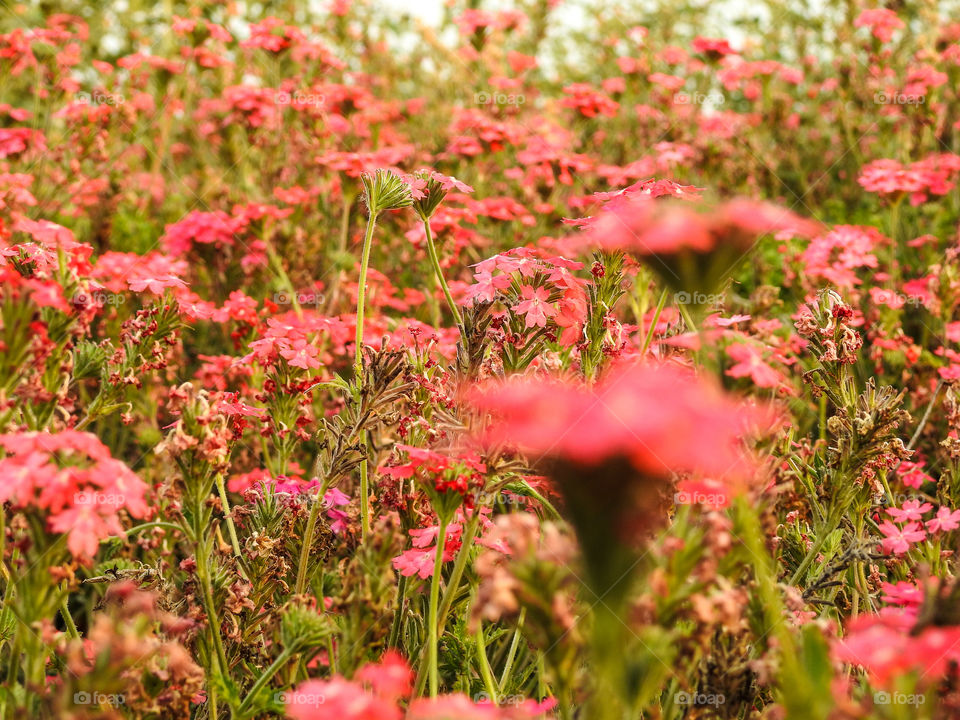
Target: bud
{"points": [[385, 190], [429, 190]]}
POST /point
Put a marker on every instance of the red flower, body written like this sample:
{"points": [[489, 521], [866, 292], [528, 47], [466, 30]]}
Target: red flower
{"points": [[712, 48], [661, 418], [885, 646], [650, 227]]}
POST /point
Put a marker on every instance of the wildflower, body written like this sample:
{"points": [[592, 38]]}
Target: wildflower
{"points": [[300, 354], [338, 698], [884, 645], [384, 190], [661, 418], [589, 102], [692, 248], [944, 521], [535, 306], [749, 362], [71, 478], [712, 49], [881, 21], [429, 189], [911, 510], [898, 540], [911, 474]]}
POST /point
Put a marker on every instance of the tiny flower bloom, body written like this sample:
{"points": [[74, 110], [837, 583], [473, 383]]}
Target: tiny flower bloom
{"points": [[898, 540], [535, 306], [944, 521], [911, 510], [301, 354]]}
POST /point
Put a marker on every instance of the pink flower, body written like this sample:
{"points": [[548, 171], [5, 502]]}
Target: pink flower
{"points": [[416, 562], [912, 475], [661, 418], [450, 183], [85, 525], [641, 224], [391, 678], [750, 363], [881, 21], [338, 699], [886, 647], [71, 478], [911, 510], [944, 521], [301, 354], [535, 306], [902, 593], [898, 540], [487, 286], [156, 285], [712, 48]]}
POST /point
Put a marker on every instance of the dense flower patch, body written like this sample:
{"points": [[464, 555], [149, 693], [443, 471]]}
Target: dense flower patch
{"points": [[557, 360]]}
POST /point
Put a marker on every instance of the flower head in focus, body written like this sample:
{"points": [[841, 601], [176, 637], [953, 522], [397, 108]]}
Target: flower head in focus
{"points": [[429, 188], [385, 190]]}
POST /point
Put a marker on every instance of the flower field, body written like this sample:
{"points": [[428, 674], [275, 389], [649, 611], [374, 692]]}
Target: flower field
{"points": [[560, 359]]}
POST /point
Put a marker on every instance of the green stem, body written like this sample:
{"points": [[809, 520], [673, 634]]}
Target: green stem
{"points": [[364, 495], [398, 617], [358, 366], [212, 699], [147, 526], [485, 672], [508, 666], [460, 564], [264, 678], [833, 520], [274, 260], [311, 528], [203, 575], [435, 261], [432, 613], [653, 323], [68, 618], [225, 502], [687, 317], [361, 297]]}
